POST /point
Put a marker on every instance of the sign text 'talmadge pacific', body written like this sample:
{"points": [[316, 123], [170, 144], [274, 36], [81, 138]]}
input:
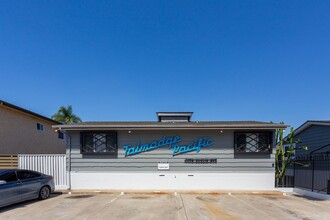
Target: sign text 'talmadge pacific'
{"points": [[170, 142]]}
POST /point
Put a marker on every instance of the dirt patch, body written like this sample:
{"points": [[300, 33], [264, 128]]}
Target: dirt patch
{"points": [[292, 213], [274, 197], [217, 212], [141, 197], [206, 198], [212, 208]]}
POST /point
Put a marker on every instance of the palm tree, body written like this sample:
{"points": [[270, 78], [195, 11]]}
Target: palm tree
{"points": [[66, 116]]}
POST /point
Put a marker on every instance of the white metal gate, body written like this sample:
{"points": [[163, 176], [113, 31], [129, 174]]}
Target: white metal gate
{"points": [[50, 164]]}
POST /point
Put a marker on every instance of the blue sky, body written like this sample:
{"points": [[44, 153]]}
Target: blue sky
{"points": [[126, 60]]}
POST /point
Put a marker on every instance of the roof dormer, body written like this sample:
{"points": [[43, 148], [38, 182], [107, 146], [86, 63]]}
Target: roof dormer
{"points": [[174, 116]]}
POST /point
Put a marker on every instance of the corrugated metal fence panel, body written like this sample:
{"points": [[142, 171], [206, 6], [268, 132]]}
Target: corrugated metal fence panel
{"points": [[50, 164]]}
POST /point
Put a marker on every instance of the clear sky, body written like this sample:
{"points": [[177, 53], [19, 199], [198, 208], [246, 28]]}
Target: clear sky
{"points": [[125, 60]]}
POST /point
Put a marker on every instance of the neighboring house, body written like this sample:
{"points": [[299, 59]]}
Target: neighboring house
{"points": [[26, 132], [171, 153], [311, 169], [315, 134]]}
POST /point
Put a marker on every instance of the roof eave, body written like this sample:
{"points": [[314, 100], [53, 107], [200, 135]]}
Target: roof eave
{"points": [[309, 123], [28, 112], [168, 127], [174, 113]]}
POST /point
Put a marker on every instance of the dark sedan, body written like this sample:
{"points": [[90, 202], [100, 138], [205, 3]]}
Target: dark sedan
{"points": [[20, 185]]}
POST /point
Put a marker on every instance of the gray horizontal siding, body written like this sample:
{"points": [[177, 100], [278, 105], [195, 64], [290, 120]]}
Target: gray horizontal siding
{"points": [[171, 160], [222, 150], [313, 137]]}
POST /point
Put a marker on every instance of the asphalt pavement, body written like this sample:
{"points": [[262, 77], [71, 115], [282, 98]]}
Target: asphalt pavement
{"points": [[170, 206]]}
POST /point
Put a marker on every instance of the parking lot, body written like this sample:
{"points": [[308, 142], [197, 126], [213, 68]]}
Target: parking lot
{"points": [[170, 206]]}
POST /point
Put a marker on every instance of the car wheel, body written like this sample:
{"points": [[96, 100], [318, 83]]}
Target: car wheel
{"points": [[44, 192]]}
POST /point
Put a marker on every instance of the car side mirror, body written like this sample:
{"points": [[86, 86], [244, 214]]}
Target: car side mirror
{"points": [[2, 182]]}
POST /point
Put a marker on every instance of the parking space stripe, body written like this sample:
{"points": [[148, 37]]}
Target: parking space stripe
{"points": [[246, 203], [114, 199], [184, 208], [101, 207]]}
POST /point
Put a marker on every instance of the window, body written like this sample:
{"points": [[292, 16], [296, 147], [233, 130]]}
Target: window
{"points": [[287, 149], [24, 174], [253, 142], [40, 127], [60, 135], [8, 176], [99, 143]]}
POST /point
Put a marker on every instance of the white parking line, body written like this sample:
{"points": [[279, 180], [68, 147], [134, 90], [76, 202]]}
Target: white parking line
{"points": [[184, 207], [102, 206], [246, 203], [114, 199]]}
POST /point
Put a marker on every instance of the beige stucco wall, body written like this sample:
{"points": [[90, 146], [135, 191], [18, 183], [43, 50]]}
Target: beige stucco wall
{"points": [[19, 134]]}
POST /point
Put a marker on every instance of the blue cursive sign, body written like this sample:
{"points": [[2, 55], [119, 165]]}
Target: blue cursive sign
{"points": [[140, 148], [171, 143], [196, 146]]}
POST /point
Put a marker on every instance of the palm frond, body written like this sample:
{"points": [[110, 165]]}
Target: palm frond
{"points": [[65, 116]]}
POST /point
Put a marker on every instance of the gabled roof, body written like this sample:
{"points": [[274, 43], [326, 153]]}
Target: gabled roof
{"points": [[25, 111], [309, 123], [140, 125]]}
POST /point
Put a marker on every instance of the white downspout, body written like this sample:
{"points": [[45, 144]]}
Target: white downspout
{"points": [[68, 144]]}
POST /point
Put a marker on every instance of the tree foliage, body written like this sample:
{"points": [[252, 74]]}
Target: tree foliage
{"points": [[65, 115]]}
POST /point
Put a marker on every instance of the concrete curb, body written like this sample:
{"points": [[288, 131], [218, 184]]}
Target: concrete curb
{"points": [[285, 189]]}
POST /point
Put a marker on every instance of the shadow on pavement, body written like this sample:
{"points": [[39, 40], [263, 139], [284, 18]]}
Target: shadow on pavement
{"points": [[79, 196], [307, 197], [25, 203]]}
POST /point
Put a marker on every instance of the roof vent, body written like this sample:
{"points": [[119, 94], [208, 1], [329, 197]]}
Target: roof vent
{"points": [[174, 116]]}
